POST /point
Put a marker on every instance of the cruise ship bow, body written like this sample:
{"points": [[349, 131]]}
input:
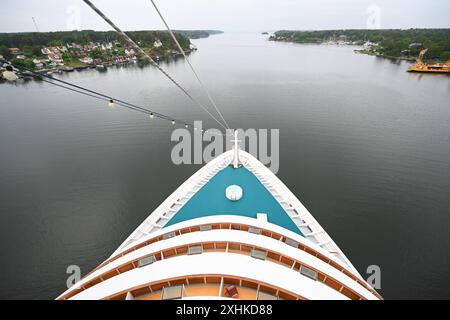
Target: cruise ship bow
{"points": [[233, 230]]}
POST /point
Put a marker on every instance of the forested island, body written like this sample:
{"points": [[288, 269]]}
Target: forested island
{"points": [[394, 43], [197, 34], [68, 50]]}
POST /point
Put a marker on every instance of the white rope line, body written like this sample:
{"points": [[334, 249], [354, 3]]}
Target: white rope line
{"points": [[189, 63]]}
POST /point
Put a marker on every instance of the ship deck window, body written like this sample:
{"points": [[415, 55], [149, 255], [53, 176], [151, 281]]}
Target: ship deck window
{"points": [[254, 230], [146, 261], [169, 235], [205, 227], [195, 250], [266, 296], [307, 272], [292, 243], [258, 254], [170, 293]]}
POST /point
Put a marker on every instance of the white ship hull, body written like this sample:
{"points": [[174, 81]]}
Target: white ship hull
{"points": [[199, 245]]}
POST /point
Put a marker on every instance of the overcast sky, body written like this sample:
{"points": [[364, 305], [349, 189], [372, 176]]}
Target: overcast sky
{"points": [[227, 15]]}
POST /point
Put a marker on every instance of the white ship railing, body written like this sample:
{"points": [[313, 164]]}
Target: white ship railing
{"points": [[161, 215], [304, 220], [307, 224]]}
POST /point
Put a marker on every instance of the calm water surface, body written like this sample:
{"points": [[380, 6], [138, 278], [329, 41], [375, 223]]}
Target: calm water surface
{"points": [[363, 144]]}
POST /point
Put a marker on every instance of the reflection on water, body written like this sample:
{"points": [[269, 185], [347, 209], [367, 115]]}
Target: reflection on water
{"points": [[420, 76], [363, 144]]}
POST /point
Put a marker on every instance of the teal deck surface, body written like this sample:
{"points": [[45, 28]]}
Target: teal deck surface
{"points": [[210, 200]]}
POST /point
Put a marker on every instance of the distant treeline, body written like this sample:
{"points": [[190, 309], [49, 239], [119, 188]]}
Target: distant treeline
{"points": [[197, 34], [82, 37], [145, 38], [393, 43]]}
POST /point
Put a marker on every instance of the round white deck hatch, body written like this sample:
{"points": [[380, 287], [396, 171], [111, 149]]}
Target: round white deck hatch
{"points": [[234, 192]]}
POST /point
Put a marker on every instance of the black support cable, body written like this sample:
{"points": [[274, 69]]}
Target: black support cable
{"points": [[101, 96]]}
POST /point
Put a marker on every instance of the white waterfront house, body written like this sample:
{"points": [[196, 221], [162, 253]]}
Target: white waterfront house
{"points": [[87, 60], [157, 43]]}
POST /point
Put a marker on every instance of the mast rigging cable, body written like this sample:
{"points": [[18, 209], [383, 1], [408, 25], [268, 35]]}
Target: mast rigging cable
{"points": [[101, 96], [189, 63], [153, 62]]}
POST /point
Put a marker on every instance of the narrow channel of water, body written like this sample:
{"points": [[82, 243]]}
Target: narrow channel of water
{"points": [[363, 144]]}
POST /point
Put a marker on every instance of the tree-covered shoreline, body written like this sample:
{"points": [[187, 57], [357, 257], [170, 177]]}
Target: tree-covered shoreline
{"points": [[391, 43], [66, 50], [56, 38], [197, 34]]}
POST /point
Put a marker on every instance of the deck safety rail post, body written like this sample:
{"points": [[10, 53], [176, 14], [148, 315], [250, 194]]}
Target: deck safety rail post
{"points": [[221, 287], [236, 150]]}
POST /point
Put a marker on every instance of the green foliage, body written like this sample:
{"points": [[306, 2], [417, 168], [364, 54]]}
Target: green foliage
{"points": [[4, 51], [97, 54], [31, 44], [74, 63], [144, 38], [393, 43], [32, 51], [23, 63], [197, 34]]}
